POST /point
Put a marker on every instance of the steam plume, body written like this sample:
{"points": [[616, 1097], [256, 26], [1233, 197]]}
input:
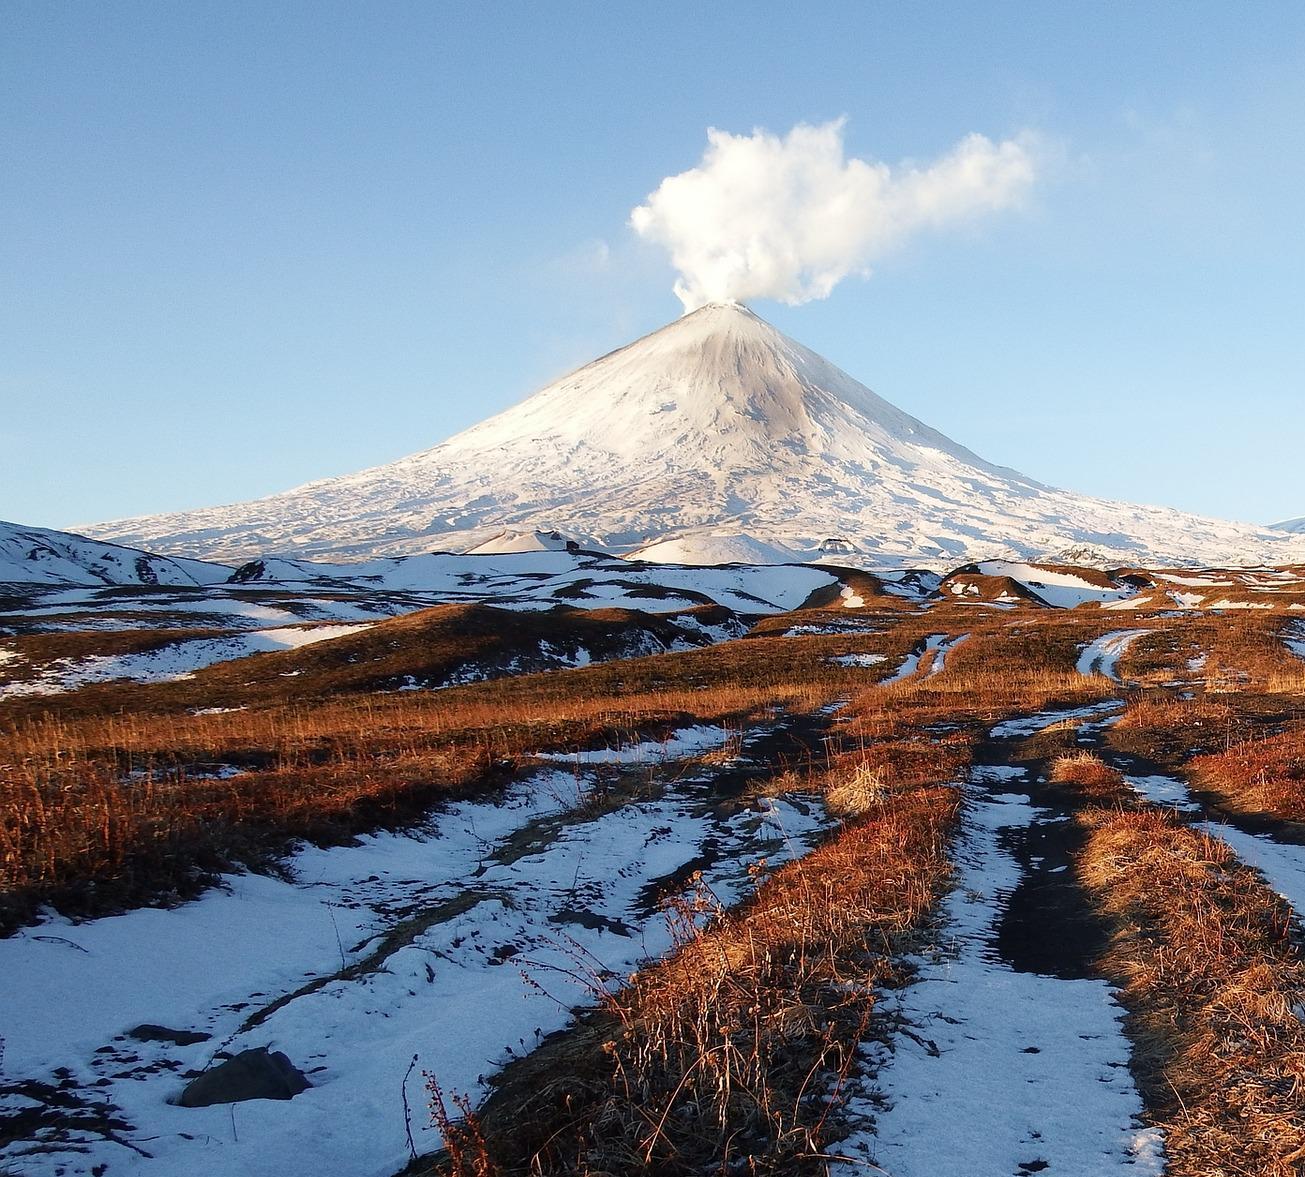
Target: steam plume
{"points": [[789, 218]]}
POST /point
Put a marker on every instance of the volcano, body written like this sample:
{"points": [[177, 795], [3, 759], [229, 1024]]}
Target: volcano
{"points": [[716, 438]]}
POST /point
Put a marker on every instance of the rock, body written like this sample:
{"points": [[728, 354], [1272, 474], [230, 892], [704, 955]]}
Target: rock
{"points": [[148, 1032], [252, 1074]]}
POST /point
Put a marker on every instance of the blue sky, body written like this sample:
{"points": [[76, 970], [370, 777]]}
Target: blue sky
{"points": [[246, 245]]}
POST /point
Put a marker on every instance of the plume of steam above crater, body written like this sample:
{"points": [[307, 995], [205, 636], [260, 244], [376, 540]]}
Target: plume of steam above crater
{"points": [[789, 218]]}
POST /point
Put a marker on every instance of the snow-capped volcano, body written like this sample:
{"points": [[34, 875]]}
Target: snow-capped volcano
{"points": [[714, 438]]}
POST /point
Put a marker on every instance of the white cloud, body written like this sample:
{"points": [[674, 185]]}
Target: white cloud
{"points": [[789, 218]]}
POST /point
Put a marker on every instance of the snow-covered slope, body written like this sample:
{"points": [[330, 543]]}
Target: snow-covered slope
{"points": [[1292, 525], [35, 555], [715, 436], [64, 577]]}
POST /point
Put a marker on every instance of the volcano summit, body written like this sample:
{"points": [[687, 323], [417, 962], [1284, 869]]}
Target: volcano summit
{"points": [[715, 438]]}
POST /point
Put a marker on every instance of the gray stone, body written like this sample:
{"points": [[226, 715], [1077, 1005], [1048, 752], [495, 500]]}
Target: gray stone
{"points": [[149, 1032], [251, 1074]]}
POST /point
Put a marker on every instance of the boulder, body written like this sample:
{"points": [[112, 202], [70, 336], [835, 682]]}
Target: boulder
{"points": [[251, 1074]]}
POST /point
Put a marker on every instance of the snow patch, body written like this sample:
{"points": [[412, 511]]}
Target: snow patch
{"points": [[688, 741], [858, 659], [170, 663], [1102, 656]]}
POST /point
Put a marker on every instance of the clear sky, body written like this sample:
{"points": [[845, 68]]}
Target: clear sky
{"points": [[246, 245]]}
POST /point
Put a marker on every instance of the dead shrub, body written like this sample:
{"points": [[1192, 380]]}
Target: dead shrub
{"points": [[856, 793]]}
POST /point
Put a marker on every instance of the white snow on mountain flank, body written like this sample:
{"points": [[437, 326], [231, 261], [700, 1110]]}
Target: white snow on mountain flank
{"points": [[37, 555], [714, 437]]}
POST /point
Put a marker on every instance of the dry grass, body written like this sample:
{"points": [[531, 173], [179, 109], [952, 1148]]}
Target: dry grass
{"points": [[129, 804], [109, 795], [1205, 961], [1091, 777], [1245, 753], [728, 1055], [1262, 776], [1168, 730], [858, 791], [102, 808], [1246, 652], [114, 786]]}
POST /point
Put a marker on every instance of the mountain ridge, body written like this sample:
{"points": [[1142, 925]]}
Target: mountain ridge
{"points": [[714, 433]]}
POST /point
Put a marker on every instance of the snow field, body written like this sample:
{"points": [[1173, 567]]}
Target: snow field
{"points": [[1060, 588], [489, 892]]}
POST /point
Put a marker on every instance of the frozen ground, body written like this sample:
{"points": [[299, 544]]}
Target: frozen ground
{"points": [[998, 1070], [406, 945]]}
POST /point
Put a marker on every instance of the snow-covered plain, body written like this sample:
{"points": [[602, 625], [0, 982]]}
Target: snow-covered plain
{"points": [[371, 589]]}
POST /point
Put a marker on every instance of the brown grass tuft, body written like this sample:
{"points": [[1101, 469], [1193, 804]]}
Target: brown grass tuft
{"points": [[1091, 778], [1204, 957]]}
